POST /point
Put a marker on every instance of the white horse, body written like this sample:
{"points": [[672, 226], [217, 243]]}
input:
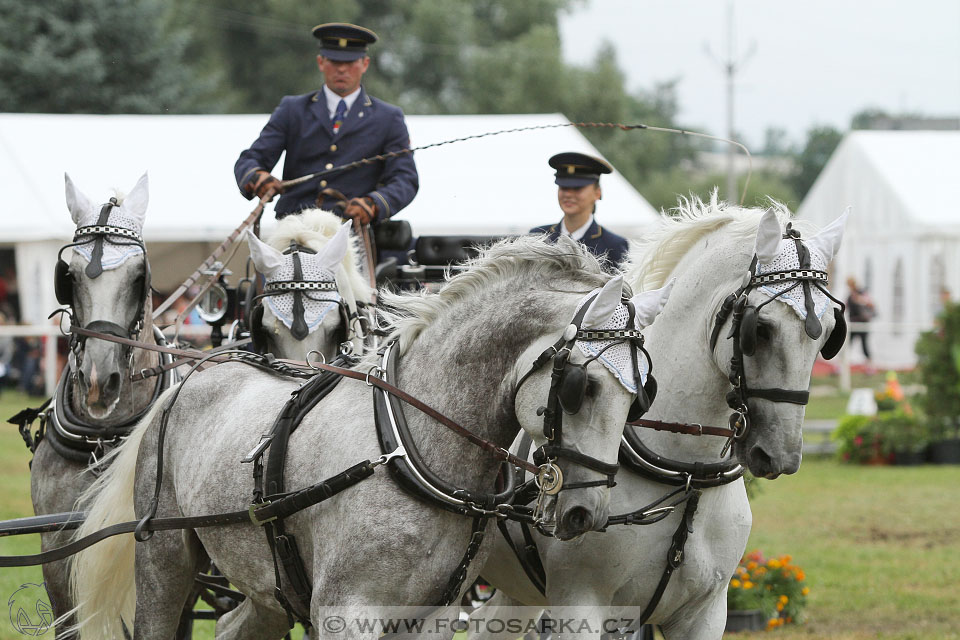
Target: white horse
{"points": [[320, 246], [708, 249], [466, 350]]}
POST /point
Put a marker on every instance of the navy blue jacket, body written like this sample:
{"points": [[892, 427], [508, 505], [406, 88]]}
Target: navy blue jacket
{"points": [[598, 239], [301, 126]]}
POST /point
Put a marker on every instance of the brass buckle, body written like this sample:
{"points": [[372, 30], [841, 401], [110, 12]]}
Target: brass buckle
{"points": [[252, 511]]}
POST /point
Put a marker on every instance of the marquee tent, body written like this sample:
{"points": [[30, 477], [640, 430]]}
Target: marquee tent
{"points": [[903, 235], [489, 185]]}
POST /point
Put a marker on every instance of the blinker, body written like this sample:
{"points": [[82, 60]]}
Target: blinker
{"points": [[573, 387], [748, 330]]}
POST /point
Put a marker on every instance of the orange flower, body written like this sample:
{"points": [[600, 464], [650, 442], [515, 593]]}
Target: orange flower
{"points": [[773, 563], [751, 565], [748, 585], [801, 576], [734, 583], [805, 590], [783, 599]]}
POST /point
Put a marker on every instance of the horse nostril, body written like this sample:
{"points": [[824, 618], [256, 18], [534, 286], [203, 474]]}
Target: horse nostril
{"points": [[577, 520], [112, 388], [762, 464]]}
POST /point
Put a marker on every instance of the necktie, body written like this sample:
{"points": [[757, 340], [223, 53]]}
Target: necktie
{"points": [[339, 116]]}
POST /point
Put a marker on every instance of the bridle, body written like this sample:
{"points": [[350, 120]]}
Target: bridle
{"points": [[299, 287], [568, 385], [743, 331], [64, 288]]}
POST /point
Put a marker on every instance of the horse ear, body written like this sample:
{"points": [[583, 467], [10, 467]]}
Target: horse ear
{"points": [[265, 258], [649, 304], [769, 235], [78, 204], [135, 204], [827, 242], [332, 253], [606, 302]]}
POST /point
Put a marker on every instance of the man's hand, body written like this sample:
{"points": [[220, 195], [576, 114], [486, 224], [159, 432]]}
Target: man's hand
{"points": [[363, 210], [261, 182]]}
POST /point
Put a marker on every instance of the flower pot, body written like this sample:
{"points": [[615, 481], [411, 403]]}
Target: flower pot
{"points": [[909, 458], [745, 620], [945, 451]]}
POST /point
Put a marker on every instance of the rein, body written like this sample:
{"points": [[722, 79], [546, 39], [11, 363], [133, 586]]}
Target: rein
{"points": [[368, 378]]}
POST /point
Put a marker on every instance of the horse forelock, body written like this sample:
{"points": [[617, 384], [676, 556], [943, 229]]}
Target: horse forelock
{"points": [[655, 255], [313, 228], [513, 266]]}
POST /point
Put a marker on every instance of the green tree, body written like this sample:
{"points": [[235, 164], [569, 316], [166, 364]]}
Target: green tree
{"points": [[821, 143], [938, 359], [94, 56]]}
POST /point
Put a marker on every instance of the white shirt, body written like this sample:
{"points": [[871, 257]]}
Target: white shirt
{"points": [[333, 100], [576, 234]]}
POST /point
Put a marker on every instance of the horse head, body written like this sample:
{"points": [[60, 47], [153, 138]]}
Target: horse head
{"points": [[310, 297], [748, 315], [106, 284], [599, 376], [782, 315]]}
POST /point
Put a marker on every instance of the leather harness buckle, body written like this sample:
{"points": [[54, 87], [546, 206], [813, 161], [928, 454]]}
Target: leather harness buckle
{"points": [[252, 511]]}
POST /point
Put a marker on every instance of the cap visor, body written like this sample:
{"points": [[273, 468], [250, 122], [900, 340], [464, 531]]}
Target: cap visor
{"points": [[342, 56], [574, 182]]}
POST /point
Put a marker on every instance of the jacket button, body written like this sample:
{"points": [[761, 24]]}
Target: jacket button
{"points": [[329, 165], [323, 183], [333, 147]]}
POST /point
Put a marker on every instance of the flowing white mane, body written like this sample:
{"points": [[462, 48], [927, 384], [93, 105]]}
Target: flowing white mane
{"points": [[526, 259], [313, 228], [655, 255]]}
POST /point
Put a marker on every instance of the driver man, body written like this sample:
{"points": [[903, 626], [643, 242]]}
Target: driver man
{"points": [[334, 126]]}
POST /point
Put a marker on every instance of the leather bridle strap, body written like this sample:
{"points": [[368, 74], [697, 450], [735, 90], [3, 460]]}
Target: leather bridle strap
{"points": [[682, 427]]}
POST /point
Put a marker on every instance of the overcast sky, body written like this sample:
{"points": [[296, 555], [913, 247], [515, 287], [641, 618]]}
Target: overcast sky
{"points": [[813, 61]]}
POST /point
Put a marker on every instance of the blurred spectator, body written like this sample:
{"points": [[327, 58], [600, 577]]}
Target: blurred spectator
{"points": [[6, 353], [860, 308]]}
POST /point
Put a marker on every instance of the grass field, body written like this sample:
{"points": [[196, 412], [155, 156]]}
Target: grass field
{"points": [[880, 545]]}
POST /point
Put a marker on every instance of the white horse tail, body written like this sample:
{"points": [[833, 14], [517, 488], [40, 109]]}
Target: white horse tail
{"points": [[102, 576]]}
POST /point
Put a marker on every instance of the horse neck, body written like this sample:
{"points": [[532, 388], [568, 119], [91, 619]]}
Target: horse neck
{"points": [[692, 387], [463, 365]]}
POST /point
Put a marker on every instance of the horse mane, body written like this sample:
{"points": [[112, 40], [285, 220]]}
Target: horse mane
{"points": [[655, 255], [313, 228], [525, 259]]}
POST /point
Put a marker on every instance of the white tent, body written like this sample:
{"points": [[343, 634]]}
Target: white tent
{"points": [[489, 185], [903, 235]]}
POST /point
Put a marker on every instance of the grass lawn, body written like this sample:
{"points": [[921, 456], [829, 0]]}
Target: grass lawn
{"points": [[880, 545]]}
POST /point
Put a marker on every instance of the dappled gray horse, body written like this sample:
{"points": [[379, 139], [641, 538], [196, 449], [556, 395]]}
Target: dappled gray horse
{"points": [[780, 327], [106, 285], [464, 350]]}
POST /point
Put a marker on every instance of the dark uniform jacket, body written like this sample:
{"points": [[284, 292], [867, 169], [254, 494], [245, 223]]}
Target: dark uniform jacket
{"points": [[597, 239], [301, 126]]}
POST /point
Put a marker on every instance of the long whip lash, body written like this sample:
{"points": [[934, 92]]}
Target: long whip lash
{"points": [[583, 125]]}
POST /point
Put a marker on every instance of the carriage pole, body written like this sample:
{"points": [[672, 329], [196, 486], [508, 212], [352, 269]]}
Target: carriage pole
{"points": [[219, 251]]}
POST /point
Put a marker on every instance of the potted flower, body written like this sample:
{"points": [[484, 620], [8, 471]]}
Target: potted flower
{"points": [[905, 436], [765, 593], [860, 440]]}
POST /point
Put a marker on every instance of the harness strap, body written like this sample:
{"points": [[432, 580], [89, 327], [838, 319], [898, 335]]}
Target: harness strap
{"points": [[675, 558], [258, 515]]}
